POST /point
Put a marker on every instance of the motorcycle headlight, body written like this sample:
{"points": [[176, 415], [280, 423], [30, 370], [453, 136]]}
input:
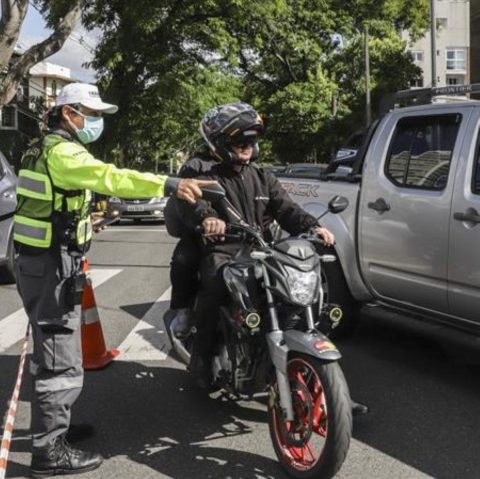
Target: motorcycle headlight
{"points": [[303, 285], [114, 199]]}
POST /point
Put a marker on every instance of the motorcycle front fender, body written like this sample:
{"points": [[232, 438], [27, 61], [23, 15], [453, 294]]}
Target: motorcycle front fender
{"points": [[314, 344]]}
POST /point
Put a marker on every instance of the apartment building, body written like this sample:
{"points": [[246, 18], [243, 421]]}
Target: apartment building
{"points": [[453, 55], [475, 41]]}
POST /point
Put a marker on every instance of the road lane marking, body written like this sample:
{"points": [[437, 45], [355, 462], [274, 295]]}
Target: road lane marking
{"points": [[119, 229], [148, 340], [13, 327]]}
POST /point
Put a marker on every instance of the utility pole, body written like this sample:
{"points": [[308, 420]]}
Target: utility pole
{"points": [[368, 105], [433, 43]]}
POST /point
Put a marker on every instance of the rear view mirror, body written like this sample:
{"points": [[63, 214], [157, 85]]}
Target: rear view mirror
{"points": [[213, 193], [337, 204]]}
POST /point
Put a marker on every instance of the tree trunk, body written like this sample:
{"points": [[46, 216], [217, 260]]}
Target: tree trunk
{"points": [[13, 14], [38, 52]]}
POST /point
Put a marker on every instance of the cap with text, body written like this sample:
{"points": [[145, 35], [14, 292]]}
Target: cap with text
{"points": [[86, 95]]}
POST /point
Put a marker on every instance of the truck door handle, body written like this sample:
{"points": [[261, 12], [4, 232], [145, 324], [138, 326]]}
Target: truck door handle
{"points": [[469, 217], [379, 205]]}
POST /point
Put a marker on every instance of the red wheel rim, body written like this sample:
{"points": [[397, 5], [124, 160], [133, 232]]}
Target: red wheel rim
{"points": [[302, 441]]}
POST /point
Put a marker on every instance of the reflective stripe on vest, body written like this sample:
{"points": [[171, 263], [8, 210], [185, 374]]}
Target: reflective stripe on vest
{"points": [[84, 231], [32, 232], [34, 185]]}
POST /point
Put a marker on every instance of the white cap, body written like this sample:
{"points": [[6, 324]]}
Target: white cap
{"points": [[86, 95]]}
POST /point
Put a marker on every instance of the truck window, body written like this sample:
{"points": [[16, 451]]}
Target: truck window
{"points": [[421, 150], [476, 169]]}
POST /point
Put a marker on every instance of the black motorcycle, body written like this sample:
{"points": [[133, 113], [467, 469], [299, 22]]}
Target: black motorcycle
{"points": [[270, 343]]}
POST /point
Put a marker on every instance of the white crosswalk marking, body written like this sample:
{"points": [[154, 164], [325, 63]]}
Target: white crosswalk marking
{"points": [[148, 340], [119, 229], [14, 326]]}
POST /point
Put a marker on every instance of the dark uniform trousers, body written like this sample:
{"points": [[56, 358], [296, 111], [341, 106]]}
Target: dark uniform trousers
{"points": [[56, 363]]}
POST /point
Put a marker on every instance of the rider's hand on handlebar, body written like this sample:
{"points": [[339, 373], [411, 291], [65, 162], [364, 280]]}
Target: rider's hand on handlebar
{"points": [[325, 235], [214, 228], [189, 189]]}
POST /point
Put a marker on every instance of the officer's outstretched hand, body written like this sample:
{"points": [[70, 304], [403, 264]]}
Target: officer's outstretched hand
{"points": [[190, 190]]}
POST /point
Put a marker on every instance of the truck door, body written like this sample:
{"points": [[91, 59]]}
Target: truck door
{"points": [[405, 206], [464, 251]]}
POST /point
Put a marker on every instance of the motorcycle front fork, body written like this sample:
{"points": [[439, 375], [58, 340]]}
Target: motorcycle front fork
{"points": [[278, 353]]}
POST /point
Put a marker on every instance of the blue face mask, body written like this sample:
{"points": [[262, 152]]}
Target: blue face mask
{"points": [[92, 128]]}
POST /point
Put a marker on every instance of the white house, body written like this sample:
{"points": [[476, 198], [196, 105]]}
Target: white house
{"points": [[46, 79]]}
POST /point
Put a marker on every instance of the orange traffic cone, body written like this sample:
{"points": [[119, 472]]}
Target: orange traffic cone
{"points": [[95, 354]]}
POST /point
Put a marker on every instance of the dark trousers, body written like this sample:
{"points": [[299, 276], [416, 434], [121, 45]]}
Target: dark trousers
{"points": [[213, 293], [184, 270]]}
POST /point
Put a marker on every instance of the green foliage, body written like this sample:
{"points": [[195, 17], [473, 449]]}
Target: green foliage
{"points": [[166, 62]]}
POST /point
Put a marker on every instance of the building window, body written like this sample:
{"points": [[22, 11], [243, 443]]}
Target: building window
{"points": [[421, 150], [455, 80], [8, 118], [418, 83], [456, 59], [417, 56], [442, 23], [54, 88]]}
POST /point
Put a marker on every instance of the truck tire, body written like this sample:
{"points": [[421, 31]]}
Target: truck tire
{"points": [[7, 269], [336, 291]]}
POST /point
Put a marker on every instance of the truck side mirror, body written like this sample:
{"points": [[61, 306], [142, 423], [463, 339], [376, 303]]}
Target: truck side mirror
{"points": [[337, 204]]}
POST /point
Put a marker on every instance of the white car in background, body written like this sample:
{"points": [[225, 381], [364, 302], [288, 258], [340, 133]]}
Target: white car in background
{"points": [[137, 209]]}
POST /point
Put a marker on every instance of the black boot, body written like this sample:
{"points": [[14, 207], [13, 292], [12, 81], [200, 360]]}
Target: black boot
{"points": [[200, 367], [359, 409], [61, 459]]}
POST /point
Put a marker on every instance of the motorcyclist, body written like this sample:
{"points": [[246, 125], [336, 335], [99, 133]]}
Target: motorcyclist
{"points": [[186, 255], [231, 132]]}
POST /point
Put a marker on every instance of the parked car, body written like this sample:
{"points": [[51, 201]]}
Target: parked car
{"points": [[407, 243], [8, 204], [137, 209]]}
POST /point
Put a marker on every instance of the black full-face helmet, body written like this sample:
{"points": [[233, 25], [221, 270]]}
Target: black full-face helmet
{"points": [[226, 126]]}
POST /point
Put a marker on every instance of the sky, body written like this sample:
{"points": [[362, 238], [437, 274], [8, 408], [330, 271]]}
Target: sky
{"points": [[73, 53]]}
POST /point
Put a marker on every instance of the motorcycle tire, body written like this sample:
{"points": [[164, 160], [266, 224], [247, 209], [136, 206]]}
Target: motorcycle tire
{"points": [[316, 443]]}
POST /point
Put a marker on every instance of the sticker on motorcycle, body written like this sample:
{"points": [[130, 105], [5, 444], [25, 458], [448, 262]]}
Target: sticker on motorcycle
{"points": [[324, 346]]}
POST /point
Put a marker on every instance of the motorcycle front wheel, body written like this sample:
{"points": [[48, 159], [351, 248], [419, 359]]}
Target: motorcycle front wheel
{"points": [[316, 442]]}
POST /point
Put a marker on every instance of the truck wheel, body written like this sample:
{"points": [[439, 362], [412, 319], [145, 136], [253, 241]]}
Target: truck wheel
{"points": [[336, 292], [7, 269]]}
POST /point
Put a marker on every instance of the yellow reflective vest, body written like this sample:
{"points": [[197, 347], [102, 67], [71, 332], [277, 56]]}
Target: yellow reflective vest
{"points": [[54, 188]]}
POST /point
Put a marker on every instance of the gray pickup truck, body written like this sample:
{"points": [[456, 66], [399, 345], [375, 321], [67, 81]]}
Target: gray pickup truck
{"points": [[409, 242]]}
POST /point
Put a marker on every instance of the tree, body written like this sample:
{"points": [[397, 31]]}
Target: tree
{"points": [[61, 17], [300, 62]]}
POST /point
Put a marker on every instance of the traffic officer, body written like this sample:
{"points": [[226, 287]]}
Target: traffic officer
{"points": [[52, 232]]}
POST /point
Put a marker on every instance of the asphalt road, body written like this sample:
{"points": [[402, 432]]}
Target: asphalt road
{"points": [[151, 423]]}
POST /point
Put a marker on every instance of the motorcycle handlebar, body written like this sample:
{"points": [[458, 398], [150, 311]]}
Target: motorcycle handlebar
{"points": [[235, 231]]}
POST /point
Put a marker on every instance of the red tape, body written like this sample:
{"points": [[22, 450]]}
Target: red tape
{"points": [[10, 418]]}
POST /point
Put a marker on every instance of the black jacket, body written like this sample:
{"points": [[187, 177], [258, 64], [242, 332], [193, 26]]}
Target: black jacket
{"points": [[177, 225], [257, 195]]}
